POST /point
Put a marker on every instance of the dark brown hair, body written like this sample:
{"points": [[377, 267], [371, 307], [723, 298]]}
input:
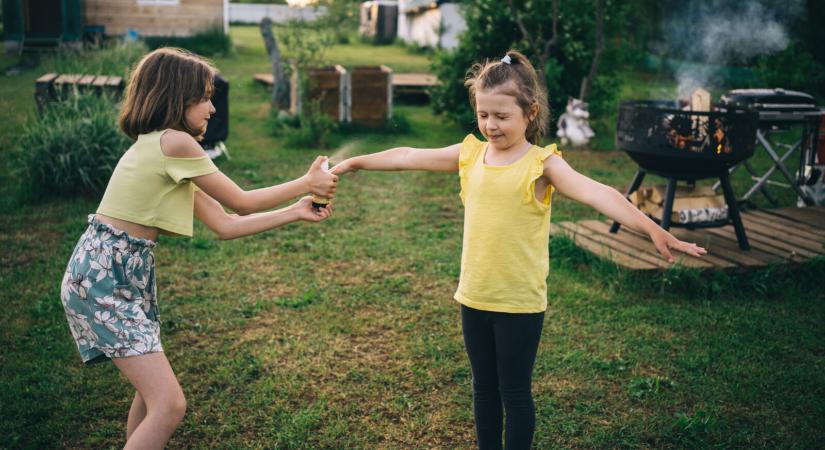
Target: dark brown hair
{"points": [[527, 90], [163, 84]]}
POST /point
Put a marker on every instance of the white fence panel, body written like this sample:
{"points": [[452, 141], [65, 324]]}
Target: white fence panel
{"points": [[255, 12]]}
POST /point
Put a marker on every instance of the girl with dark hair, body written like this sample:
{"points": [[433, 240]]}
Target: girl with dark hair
{"points": [[506, 188]]}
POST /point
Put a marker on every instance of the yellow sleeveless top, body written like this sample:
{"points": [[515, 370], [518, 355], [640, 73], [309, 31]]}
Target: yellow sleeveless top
{"points": [[152, 189], [505, 258]]}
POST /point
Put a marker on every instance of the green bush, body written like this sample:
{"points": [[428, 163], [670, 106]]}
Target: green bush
{"points": [[110, 59], [71, 148], [210, 42], [491, 31], [793, 68]]}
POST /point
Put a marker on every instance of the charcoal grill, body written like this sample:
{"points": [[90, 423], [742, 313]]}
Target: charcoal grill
{"points": [[687, 146], [779, 111]]}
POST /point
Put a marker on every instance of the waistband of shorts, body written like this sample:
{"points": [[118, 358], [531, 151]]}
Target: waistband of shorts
{"points": [[138, 242]]}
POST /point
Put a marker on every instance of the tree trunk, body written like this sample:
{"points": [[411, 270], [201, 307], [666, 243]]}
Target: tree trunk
{"points": [[280, 88], [587, 82]]}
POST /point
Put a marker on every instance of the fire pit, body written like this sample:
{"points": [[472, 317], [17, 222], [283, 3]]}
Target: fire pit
{"points": [[687, 146]]}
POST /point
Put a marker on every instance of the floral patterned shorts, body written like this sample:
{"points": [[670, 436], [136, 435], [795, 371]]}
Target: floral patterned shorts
{"points": [[109, 295]]}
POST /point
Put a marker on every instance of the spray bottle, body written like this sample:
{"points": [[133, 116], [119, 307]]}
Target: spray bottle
{"points": [[319, 202]]}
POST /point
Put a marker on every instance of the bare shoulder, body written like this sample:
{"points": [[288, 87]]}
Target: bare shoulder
{"points": [[178, 144]]}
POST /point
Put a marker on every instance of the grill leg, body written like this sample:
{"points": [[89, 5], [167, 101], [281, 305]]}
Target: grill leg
{"points": [[668, 206], [637, 181], [733, 211]]}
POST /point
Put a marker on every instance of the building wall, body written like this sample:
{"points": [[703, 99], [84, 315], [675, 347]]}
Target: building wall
{"points": [[157, 18]]}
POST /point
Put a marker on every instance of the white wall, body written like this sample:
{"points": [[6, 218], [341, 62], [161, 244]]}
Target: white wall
{"points": [[424, 28], [452, 25], [254, 13], [438, 27]]}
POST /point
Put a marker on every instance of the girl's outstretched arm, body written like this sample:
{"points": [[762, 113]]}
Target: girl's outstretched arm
{"points": [[404, 158], [231, 226], [217, 185], [613, 204]]}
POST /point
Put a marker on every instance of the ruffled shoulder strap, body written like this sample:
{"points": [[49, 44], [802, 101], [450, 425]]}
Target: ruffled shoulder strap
{"points": [[471, 147], [540, 154]]}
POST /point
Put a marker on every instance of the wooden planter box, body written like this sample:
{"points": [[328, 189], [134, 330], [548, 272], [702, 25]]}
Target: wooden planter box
{"points": [[328, 85], [370, 95]]}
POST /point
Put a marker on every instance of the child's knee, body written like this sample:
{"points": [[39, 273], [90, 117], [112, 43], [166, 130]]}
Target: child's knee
{"points": [[173, 407]]}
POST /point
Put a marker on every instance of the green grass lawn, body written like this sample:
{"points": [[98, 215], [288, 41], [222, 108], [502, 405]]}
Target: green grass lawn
{"points": [[345, 335]]}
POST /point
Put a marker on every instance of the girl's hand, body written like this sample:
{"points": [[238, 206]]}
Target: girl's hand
{"points": [[305, 211], [665, 241], [344, 167], [319, 181]]}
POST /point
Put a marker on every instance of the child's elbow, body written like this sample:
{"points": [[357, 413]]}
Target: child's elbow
{"points": [[226, 229], [243, 209]]}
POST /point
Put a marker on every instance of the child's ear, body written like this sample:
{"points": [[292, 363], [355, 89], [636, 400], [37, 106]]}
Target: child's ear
{"points": [[534, 112]]}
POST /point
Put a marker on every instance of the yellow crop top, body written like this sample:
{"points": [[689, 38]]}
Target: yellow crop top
{"points": [[505, 258], [152, 189]]}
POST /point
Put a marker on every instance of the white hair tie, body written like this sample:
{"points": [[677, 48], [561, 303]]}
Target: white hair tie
{"points": [[506, 59]]}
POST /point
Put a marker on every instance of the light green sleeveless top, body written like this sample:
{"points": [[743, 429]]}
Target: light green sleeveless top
{"points": [[505, 257], [152, 189]]}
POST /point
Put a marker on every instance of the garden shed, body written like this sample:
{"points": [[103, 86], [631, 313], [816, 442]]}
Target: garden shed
{"points": [[33, 24], [41, 23], [430, 23]]}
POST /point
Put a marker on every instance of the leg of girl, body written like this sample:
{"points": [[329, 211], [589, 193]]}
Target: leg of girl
{"points": [[136, 414], [480, 342], [161, 395], [517, 340], [502, 349]]}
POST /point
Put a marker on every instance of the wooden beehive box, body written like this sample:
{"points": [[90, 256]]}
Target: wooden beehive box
{"points": [[370, 95], [327, 85]]}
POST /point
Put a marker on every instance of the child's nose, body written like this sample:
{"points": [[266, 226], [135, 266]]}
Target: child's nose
{"points": [[211, 108]]}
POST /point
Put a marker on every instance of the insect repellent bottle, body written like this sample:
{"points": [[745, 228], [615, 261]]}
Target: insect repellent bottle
{"points": [[319, 202]]}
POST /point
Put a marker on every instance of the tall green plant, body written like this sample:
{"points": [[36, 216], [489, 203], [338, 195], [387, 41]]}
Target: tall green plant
{"points": [[71, 148], [110, 59]]}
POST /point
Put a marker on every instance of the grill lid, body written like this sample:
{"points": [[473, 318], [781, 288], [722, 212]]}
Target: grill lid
{"points": [[769, 100]]}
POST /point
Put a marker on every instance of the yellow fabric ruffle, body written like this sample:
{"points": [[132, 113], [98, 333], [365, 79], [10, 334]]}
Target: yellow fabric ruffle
{"points": [[536, 170]]}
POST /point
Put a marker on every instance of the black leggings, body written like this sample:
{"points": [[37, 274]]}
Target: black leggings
{"points": [[502, 348]]}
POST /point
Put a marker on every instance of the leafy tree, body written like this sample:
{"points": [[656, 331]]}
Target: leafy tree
{"points": [[562, 53]]}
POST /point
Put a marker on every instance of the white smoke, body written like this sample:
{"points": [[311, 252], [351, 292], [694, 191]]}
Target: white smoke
{"points": [[716, 33]]}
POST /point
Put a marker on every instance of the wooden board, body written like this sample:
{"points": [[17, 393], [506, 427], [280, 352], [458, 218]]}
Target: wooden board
{"points": [[603, 250], [414, 80], [786, 235], [802, 215], [787, 225], [644, 245], [267, 79]]}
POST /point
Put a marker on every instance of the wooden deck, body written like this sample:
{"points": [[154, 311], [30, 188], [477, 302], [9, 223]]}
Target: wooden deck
{"points": [[776, 236]]}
